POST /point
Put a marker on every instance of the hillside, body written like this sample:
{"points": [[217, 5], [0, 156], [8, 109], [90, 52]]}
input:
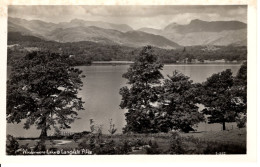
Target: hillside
{"points": [[95, 31], [16, 36], [110, 37], [150, 30], [205, 26], [199, 32], [222, 38], [100, 24], [86, 51]]}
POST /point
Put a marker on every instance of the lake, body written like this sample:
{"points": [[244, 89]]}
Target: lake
{"points": [[101, 95]]}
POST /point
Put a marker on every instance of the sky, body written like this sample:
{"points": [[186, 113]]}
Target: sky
{"points": [[135, 16]]}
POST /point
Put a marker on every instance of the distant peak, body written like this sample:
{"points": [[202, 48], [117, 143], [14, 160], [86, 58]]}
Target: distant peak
{"points": [[196, 21], [171, 26], [76, 20]]}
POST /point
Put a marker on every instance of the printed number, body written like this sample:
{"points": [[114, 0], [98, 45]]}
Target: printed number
{"points": [[220, 153]]}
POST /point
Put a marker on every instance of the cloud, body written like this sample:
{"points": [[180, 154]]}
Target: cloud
{"points": [[239, 11]]}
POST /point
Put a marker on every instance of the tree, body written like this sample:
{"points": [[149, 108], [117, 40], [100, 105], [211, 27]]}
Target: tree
{"points": [[112, 128], [219, 98], [42, 90], [178, 104], [241, 82], [143, 77], [240, 91]]}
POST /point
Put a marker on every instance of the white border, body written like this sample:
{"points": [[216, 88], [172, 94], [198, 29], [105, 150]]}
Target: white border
{"points": [[252, 87]]}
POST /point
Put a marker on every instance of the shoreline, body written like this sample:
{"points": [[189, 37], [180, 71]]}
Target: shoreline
{"points": [[115, 63]]}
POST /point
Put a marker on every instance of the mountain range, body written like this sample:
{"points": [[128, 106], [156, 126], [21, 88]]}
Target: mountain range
{"points": [[197, 32]]}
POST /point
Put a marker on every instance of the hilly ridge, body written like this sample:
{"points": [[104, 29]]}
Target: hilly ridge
{"points": [[197, 32], [205, 26], [100, 24], [109, 36], [80, 30]]}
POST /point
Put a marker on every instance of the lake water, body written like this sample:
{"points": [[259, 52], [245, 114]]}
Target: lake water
{"points": [[101, 95]]}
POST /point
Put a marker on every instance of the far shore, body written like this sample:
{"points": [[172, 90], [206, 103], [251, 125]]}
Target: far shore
{"points": [[178, 63]]}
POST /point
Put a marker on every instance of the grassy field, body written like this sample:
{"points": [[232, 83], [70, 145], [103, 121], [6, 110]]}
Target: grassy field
{"points": [[235, 136], [221, 142]]}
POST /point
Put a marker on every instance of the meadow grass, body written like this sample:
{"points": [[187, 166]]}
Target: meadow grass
{"points": [[225, 142]]}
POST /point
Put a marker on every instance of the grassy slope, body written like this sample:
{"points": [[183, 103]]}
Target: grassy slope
{"points": [[192, 142], [235, 136]]}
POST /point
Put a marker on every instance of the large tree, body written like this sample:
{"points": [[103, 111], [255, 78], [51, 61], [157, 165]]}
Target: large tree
{"points": [[143, 77], [219, 98], [42, 90], [241, 84], [178, 104], [240, 91]]}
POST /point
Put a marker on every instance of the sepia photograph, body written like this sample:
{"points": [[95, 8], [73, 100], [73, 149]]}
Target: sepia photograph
{"points": [[126, 80]]}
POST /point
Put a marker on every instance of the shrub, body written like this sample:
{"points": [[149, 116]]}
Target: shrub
{"points": [[40, 146], [83, 144], [152, 150], [12, 145], [176, 145], [126, 148], [150, 143], [241, 121], [92, 142], [76, 137], [109, 148], [155, 145]]}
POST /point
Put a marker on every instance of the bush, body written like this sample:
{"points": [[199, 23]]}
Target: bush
{"points": [[126, 148], [152, 150], [241, 121], [92, 142], [83, 144], [176, 145], [12, 145], [40, 146], [108, 148]]}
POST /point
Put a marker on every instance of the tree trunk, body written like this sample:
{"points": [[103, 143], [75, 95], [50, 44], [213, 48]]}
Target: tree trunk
{"points": [[43, 133], [44, 130], [224, 125]]}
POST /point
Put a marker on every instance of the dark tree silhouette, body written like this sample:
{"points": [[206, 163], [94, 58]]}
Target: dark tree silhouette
{"points": [[240, 91], [219, 98], [241, 83], [143, 77], [178, 104], [42, 89]]}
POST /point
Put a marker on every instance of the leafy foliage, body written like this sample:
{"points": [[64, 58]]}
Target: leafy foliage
{"points": [[178, 109], [40, 146], [144, 76], [57, 132], [240, 90], [11, 145], [241, 85], [219, 98], [42, 89], [176, 144], [241, 121]]}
